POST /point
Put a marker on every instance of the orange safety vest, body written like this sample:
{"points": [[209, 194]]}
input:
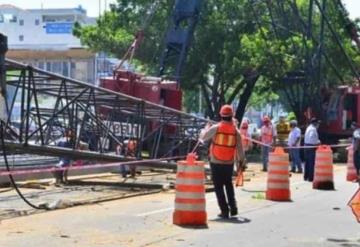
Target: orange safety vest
{"points": [[224, 142], [267, 134], [245, 142], [131, 148]]}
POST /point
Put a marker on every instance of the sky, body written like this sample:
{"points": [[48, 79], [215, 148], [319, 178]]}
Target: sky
{"points": [[92, 6]]}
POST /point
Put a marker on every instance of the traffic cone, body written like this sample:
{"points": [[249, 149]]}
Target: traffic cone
{"points": [[239, 181], [351, 171], [323, 175], [278, 183], [190, 205]]}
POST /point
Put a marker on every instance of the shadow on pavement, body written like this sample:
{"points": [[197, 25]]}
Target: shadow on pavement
{"points": [[233, 220], [345, 242]]}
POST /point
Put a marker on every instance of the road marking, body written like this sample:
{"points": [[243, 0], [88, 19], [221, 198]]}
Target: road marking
{"points": [[155, 212], [164, 210]]}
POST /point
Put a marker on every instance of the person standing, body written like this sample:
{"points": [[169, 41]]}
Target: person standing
{"points": [[294, 144], [225, 149], [64, 161], [356, 147], [244, 131], [268, 137], [311, 139]]}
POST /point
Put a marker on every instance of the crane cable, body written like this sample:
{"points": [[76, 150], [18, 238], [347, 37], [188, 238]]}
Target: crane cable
{"points": [[2, 137]]}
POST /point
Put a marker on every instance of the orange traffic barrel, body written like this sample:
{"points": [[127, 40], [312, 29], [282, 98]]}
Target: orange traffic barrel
{"points": [[323, 175], [278, 183], [190, 204], [351, 171]]}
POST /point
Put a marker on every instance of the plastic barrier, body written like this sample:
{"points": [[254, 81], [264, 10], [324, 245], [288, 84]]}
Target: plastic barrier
{"points": [[278, 184], [324, 174], [190, 205], [351, 171]]}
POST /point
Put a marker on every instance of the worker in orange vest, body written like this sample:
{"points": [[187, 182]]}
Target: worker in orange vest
{"points": [[131, 152], [225, 149], [268, 137], [244, 131]]}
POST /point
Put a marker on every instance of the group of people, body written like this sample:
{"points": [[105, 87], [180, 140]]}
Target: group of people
{"points": [[127, 149], [289, 135]]}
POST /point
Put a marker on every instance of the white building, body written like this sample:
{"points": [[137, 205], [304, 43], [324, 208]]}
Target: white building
{"points": [[43, 38]]}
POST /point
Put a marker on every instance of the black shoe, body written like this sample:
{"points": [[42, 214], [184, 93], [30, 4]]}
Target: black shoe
{"points": [[233, 211], [299, 171], [292, 170], [264, 170], [223, 215]]}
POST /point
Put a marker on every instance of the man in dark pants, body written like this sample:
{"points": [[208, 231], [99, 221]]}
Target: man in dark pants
{"points": [[224, 150], [311, 139], [64, 161]]}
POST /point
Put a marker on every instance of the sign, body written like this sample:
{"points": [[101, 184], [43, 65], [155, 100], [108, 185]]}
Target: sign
{"points": [[124, 129], [354, 203], [59, 28]]}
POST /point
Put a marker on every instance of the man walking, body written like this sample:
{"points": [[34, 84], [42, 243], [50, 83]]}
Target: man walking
{"points": [[311, 139], [268, 137], [224, 150], [294, 143]]}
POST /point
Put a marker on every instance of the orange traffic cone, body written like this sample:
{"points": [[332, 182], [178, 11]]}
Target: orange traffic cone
{"points": [[323, 175], [351, 171], [190, 193], [278, 184], [239, 181]]}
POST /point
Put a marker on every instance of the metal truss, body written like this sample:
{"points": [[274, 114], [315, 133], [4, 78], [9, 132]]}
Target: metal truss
{"points": [[42, 105]]}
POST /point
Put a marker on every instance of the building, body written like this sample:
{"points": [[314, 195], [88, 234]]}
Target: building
{"points": [[43, 38]]}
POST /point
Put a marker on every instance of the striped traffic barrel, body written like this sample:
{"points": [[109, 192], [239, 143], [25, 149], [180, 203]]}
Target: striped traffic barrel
{"points": [[190, 205], [351, 171], [278, 183], [324, 174]]}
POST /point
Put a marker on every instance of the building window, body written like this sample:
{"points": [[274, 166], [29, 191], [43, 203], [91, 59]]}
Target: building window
{"points": [[21, 22], [10, 18], [21, 37], [37, 22]]}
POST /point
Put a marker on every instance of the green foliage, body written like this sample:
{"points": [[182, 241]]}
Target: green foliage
{"points": [[242, 51]]}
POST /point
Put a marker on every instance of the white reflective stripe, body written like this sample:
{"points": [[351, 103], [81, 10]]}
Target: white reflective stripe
{"points": [[278, 168], [190, 195], [190, 168], [323, 162], [278, 186], [278, 176], [198, 207], [323, 178], [190, 181]]}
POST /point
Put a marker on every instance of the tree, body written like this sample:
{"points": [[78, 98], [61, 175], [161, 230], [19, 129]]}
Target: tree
{"points": [[240, 47]]}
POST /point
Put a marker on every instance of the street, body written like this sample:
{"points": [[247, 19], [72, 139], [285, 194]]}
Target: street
{"points": [[313, 218]]}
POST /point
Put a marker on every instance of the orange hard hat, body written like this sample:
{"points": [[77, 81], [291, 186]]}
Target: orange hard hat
{"points": [[244, 125], [226, 111], [266, 119]]}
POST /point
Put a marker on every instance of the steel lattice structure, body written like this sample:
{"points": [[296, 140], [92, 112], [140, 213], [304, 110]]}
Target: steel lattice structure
{"points": [[50, 103]]}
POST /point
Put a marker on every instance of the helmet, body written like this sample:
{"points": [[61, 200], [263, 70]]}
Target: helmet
{"points": [[226, 111], [293, 123], [266, 119], [244, 125], [356, 134]]}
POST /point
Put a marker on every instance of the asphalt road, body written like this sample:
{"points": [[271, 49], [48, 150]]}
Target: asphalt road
{"points": [[313, 218]]}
